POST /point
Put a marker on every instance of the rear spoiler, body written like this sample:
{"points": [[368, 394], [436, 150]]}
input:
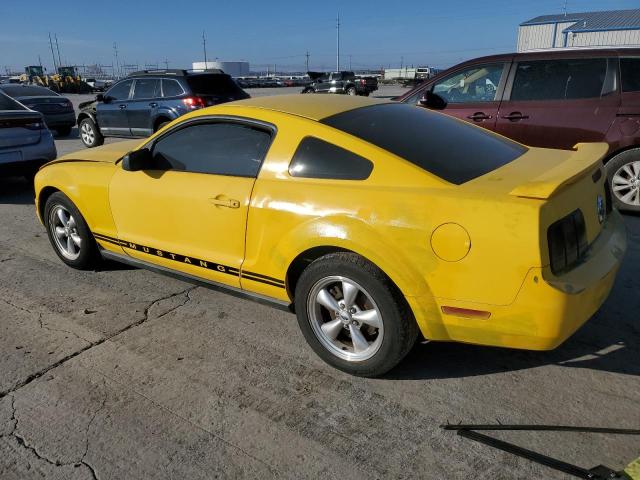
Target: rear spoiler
{"points": [[586, 158]]}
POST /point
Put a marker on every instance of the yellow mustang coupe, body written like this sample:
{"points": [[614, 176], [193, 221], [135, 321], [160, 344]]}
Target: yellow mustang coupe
{"points": [[374, 221]]}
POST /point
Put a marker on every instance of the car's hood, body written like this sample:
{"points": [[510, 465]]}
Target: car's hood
{"points": [[105, 154]]}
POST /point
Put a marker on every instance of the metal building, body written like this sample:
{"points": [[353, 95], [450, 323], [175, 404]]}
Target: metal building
{"points": [[235, 69], [574, 30]]}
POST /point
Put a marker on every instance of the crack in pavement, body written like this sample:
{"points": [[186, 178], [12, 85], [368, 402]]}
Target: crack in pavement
{"points": [[57, 463], [90, 345]]}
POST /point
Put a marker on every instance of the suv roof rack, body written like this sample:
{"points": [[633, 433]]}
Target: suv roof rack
{"points": [[173, 72]]}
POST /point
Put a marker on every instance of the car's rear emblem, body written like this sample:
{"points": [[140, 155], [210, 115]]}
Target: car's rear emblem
{"points": [[600, 208]]}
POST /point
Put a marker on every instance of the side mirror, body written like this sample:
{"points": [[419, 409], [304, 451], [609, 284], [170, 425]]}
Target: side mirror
{"points": [[433, 100], [100, 97], [137, 160]]}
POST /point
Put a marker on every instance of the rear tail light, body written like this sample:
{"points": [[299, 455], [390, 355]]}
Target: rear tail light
{"points": [[30, 124], [567, 239], [34, 125], [194, 102]]}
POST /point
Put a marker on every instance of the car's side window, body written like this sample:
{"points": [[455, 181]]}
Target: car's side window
{"points": [[171, 88], [219, 148], [315, 158], [475, 84], [146, 88], [630, 72], [120, 91], [568, 79]]}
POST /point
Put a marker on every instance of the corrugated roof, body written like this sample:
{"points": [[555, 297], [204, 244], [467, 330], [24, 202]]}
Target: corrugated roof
{"points": [[586, 21]]}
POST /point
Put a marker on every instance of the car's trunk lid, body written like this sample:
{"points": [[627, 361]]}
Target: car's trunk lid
{"points": [[19, 128], [53, 104]]}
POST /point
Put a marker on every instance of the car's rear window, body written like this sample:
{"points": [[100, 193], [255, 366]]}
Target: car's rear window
{"points": [[8, 103], [27, 91], [214, 84], [451, 149]]}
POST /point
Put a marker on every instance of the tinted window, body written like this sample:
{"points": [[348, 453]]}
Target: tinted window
{"points": [[171, 88], [7, 103], [217, 148], [559, 79], [630, 69], [214, 84], [451, 149], [316, 158], [27, 91], [476, 84], [120, 91], [146, 88]]}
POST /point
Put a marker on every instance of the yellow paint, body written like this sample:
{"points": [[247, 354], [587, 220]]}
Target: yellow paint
{"points": [[500, 263]]}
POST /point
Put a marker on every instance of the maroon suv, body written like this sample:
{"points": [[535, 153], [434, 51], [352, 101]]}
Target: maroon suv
{"points": [[552, 99]]}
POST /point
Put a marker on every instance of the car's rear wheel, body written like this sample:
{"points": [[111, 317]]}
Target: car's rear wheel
{"points": [[90, 134], [353, 316], [623, 172], [308, 90], [69, 233], [351, 91]]}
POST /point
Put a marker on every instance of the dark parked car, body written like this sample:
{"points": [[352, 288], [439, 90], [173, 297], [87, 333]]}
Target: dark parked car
{"points": [[552, 99], [144, 102], [57, 110], [25, 141], [341, 82]]}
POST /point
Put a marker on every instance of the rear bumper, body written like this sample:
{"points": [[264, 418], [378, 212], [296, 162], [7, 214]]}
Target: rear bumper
{"points": [[32, 156], [547, 309], [54, 120]]}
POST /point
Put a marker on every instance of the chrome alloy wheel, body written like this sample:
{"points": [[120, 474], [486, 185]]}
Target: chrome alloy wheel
{"points": [[345, 318], [626, 183], [87, 133], [64, 232]]}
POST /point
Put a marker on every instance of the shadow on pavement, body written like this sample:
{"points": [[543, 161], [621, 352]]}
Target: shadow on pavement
{"points": [[16, 191]]}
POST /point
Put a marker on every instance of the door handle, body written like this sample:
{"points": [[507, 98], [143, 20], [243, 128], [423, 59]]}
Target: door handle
{"points": [[123, 106], [153, 104], [222, 201], [515, 116], [479, 116]]}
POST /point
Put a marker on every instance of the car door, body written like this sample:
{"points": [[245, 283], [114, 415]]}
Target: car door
{"points": [[558, 102], [471, 93], [323, 84], [111, 113], [143, 105], [188, 212]]}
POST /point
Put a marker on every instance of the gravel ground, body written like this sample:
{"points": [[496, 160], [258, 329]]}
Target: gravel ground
{"points": [[126, 374]]}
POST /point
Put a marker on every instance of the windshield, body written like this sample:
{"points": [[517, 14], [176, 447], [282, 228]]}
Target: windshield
{"points": [[451, 149], [28, 91], [214, 84]]}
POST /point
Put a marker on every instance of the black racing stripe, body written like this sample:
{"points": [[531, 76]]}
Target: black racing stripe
{"points": [[265, 277], [262, 280], [217, 267]]}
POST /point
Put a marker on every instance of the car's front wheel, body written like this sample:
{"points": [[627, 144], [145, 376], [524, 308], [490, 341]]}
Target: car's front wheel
{"points": [[69, 233], [90, 133], [351, 91], [353, 316]]}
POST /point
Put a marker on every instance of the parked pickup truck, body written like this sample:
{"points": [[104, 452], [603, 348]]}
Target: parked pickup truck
{"points": [[340, 82]]}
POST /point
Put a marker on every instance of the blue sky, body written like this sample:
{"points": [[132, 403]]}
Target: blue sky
{"points": [[373, 34]]}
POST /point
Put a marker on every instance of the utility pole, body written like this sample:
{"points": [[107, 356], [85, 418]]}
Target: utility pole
{"points": [[350, 61], [166, 63], [401, 62], [116, 70], [307, 63], [565, 8], [204, 47], [58, 48], [337, 42], [55, 64]]}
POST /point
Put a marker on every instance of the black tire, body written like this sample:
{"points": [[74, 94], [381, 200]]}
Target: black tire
{"points": [[88, 256], [399, 325], [90, 133], [63, 131], [161, 125], [616, 173], [351, 91], [308, 90]]}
